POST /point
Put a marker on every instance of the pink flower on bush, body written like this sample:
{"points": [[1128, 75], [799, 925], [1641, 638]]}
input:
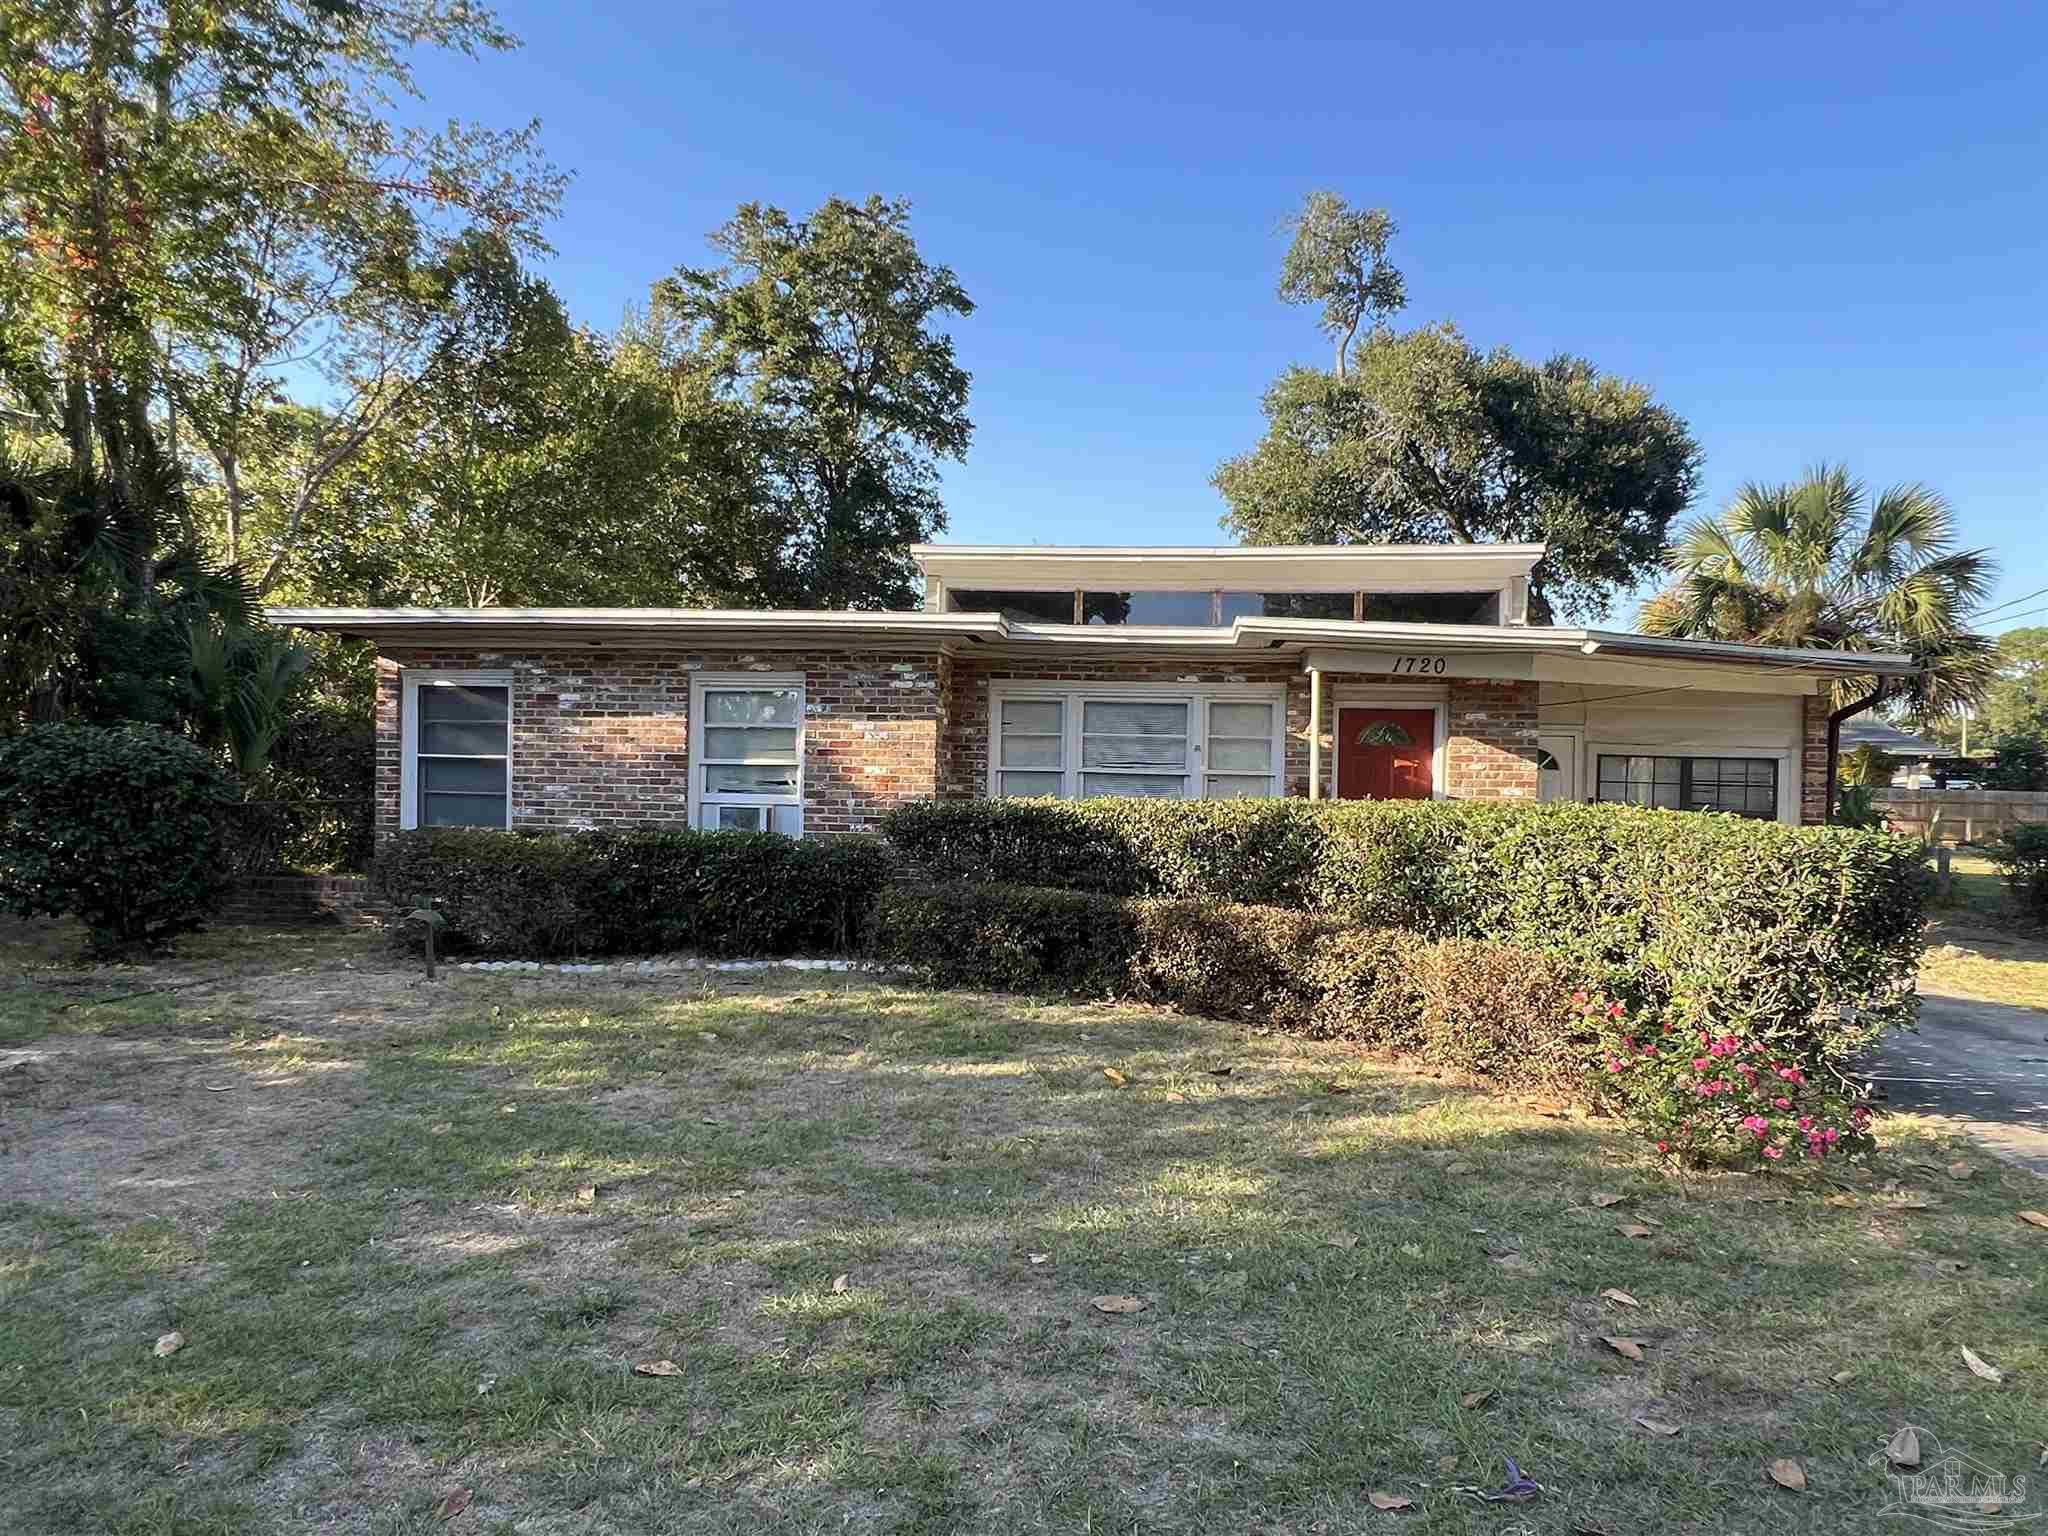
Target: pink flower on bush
{"points": [[1782, 1103], [1616, 1064], [1701, 1063], [1756, 1123], [1579, 999], [1774, 1153]]}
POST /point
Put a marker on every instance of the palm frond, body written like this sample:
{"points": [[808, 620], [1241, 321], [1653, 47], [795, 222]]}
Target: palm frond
{"points": [[1908, 524]]}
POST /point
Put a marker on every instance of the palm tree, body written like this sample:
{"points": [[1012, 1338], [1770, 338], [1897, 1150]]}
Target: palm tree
{"points": [[1806, 565]]}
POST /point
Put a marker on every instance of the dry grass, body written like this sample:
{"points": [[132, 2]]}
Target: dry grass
{"points": [[361, 1200]]}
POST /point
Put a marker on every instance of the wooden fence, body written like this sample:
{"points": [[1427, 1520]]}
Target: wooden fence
{"points": [[1960, 815]]}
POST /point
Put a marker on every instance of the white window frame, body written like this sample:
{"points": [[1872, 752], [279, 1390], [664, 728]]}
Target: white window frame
{"points": [[411, 680], [1434, 697], [716, 682], [1788, 765], [1197, 696]]}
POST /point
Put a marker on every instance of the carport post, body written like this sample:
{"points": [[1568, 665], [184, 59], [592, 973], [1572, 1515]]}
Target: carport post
{"points": [[1315, 733]]}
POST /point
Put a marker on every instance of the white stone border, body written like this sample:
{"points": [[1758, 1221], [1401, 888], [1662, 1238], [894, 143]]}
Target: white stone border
{"points": [[660, 967]]}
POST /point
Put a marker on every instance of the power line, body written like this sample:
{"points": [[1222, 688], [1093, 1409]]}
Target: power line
{"points": [[1983, 613]]}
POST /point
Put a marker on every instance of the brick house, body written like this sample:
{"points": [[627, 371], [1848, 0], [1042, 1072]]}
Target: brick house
{"points": [[1383, 671]]}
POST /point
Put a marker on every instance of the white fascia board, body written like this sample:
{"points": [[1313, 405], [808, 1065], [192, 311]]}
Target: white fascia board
{"points": [[639, 624]]}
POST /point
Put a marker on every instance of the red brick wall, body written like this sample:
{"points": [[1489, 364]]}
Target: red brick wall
{"points": [[1813, 759], [1491, 745], [603, 736]]}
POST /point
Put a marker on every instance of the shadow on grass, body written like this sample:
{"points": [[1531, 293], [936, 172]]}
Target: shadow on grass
{"points": [[868, 1227]]}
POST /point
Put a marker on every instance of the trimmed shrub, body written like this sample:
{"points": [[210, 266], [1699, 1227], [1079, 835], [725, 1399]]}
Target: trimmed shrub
{"points": [[1232, 961], [537, 895], [1481, 1008], [1499, 1013], [1805, 934], [124, 829], [2022, 857], [1008, 938]]}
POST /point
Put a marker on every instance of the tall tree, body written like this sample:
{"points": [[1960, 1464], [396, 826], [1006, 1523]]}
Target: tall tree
{"points": [[202, 198], [1426, 440], [815, 354], [527, 468], [1338, 260], [1820, 563]]}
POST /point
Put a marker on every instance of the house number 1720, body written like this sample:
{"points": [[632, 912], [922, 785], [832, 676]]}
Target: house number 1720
{"points": [[1430, 664]]}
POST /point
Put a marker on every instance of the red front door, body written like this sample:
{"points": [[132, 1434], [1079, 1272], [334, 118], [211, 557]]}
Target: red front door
{"points": [[1385, 754]]}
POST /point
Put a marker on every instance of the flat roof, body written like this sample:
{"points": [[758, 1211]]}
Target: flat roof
{"points": [[1245, 637]]}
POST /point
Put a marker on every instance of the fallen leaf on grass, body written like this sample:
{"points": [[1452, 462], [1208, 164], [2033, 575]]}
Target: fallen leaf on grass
{"points": [[1474, 1399], [1911, 1203], [1628, 1349], [1842, 1202], [1176, 1098], [1115, 1076], [1603, 1199], [1447, 1465], [453, 1504], [1787, 1473], [1978, 1367], [1903, 1449], [841, 1284], [1388, 1502], [1342, 1240], [1039, 1258], [657, 1368], [1460, 1168], [1841, 1376], [169, 1343], [2035, 1219], [587, 1195], [1961, 1170], [1657, 1426], [1623, 1297], [1635, 1229], [1119, 1306], [1950, 1266]]}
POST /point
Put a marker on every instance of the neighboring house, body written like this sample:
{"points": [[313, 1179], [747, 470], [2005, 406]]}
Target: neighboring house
{"points": [[1169, 672]]}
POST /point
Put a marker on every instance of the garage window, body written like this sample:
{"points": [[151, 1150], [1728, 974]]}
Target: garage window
{"points": [[1742, 786]]}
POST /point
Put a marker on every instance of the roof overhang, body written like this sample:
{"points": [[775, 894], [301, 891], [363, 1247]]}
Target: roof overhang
{"points": [[1231, 567], [1445, 650]]}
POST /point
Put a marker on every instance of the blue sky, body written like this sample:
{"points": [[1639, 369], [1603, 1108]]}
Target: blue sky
{"points": [[1816, 231]]}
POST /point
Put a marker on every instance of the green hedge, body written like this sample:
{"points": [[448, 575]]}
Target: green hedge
{"points": [[123, 828], [2021, 855], [1488, 1009], [638, 891], [1809, 935]]}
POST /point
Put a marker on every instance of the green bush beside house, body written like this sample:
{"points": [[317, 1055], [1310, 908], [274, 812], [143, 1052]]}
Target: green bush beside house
{"points": [[124, 828]]}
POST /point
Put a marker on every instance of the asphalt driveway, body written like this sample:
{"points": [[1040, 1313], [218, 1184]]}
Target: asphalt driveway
{"points": [[1983, 1065]]}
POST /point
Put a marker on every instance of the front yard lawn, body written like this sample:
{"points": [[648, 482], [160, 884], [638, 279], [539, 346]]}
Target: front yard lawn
{"points": [[417, 1238]]}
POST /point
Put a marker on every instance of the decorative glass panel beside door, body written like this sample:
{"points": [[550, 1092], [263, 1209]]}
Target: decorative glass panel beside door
{"points": [[1134, 747], [463, 755], [750, 755]]}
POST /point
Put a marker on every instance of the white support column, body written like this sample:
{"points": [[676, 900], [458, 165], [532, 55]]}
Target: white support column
{"points": [[1315, 733]]}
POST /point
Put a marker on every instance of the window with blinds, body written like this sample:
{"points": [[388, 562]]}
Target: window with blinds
{"points": [[1163, 745], [748, 751], [462, 754]]}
